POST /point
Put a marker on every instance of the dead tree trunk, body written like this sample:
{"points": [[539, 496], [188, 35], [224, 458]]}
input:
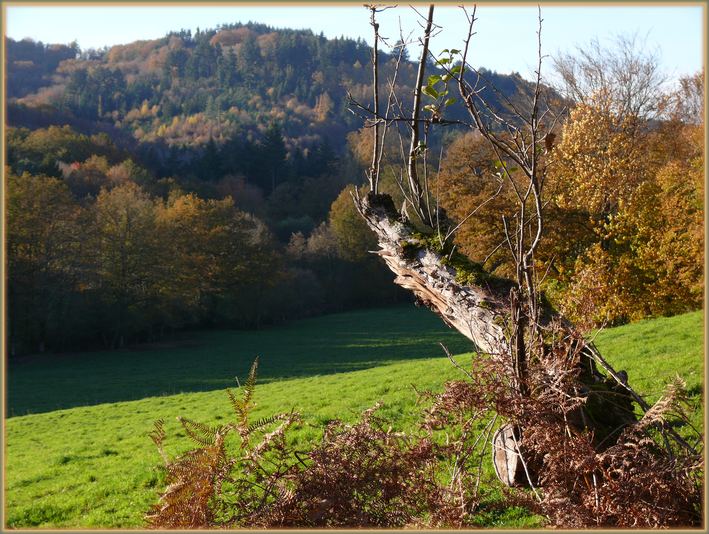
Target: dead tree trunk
{"points": [[503, 318], [477, 312], [482, 313]]}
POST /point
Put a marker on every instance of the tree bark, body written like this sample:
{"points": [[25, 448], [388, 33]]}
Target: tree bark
{"points": [[482, 313], [477, 312]]}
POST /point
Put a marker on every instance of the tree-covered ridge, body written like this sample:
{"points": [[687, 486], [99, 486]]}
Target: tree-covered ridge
{"points": [[185, 89], [275, 155], [30, 64]]}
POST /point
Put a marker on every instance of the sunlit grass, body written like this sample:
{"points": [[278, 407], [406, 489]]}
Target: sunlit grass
{"points": [[95, 467]]}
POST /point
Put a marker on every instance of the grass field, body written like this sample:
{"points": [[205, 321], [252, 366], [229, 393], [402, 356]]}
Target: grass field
{"points": [[209, 360], [92, 466]]}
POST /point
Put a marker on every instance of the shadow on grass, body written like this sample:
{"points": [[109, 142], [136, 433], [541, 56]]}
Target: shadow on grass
{"points": [[208, 360]]}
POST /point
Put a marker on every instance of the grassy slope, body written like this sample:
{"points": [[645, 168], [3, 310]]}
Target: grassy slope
{"points": [[656, 350], [210, 360], [95, 467]]}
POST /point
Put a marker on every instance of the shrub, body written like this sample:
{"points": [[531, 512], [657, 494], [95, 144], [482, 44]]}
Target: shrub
{"points": [[360, 475], [367, 475]]}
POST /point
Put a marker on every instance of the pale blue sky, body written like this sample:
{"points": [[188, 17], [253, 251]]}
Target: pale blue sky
{"points": [[505, 39]]}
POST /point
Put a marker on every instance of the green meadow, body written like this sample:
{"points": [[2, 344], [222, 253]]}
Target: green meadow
{"points": [[77, 448]]}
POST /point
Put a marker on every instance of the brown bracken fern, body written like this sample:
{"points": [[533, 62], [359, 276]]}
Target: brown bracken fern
{"points": [[359, 475], [634, 478], [367, 475], [197, 480]]}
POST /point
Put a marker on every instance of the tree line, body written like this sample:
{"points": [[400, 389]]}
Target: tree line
{"points": [[280, 212], [101, 253]]}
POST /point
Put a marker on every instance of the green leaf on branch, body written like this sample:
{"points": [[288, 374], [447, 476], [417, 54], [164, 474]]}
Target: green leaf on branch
{"points": [[430, 91]]}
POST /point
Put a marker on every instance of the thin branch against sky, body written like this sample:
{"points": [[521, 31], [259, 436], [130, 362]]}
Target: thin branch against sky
{"points": [[504, 32]]}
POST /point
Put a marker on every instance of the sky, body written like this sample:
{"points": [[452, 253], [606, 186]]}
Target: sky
{"points": [[505, 41]]}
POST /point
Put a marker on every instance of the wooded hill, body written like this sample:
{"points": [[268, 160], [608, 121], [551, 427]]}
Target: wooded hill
{"points": [[200, 160], [176, 94]]}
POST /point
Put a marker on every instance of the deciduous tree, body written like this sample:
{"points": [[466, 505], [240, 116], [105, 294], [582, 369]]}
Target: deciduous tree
{"points": [[44, 247], [126, 259], [506, 319]]}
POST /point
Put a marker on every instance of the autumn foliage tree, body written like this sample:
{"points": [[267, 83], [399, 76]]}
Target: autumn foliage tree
{"points": [[608, 195], [470, 181], [44, 247], [638, 184], [646, 257], [352, 235], [125, 266]]}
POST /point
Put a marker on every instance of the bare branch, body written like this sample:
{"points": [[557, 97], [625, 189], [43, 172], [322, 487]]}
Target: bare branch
{"points": [[414, 148], [374, 169]]}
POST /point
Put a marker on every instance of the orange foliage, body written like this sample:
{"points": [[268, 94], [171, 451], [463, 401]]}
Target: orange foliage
{"points": [[469, 178], [231, 37], [599, 161], [648, 256]]}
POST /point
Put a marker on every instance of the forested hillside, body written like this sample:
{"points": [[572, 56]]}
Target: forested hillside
{"points": [[189, 180], [204, 180], [177, 94]]}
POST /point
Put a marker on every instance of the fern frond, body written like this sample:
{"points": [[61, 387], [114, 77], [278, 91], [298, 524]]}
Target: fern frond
{"points": [[158, 436], [274, 438], [674, 393], [158, 432], [242, 406], [235, 402], [199, 432], [250, 384], [265, 421]]}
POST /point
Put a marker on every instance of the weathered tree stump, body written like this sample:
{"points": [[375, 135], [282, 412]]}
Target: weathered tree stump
{"points": [[482, 313], [507, 458]]}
